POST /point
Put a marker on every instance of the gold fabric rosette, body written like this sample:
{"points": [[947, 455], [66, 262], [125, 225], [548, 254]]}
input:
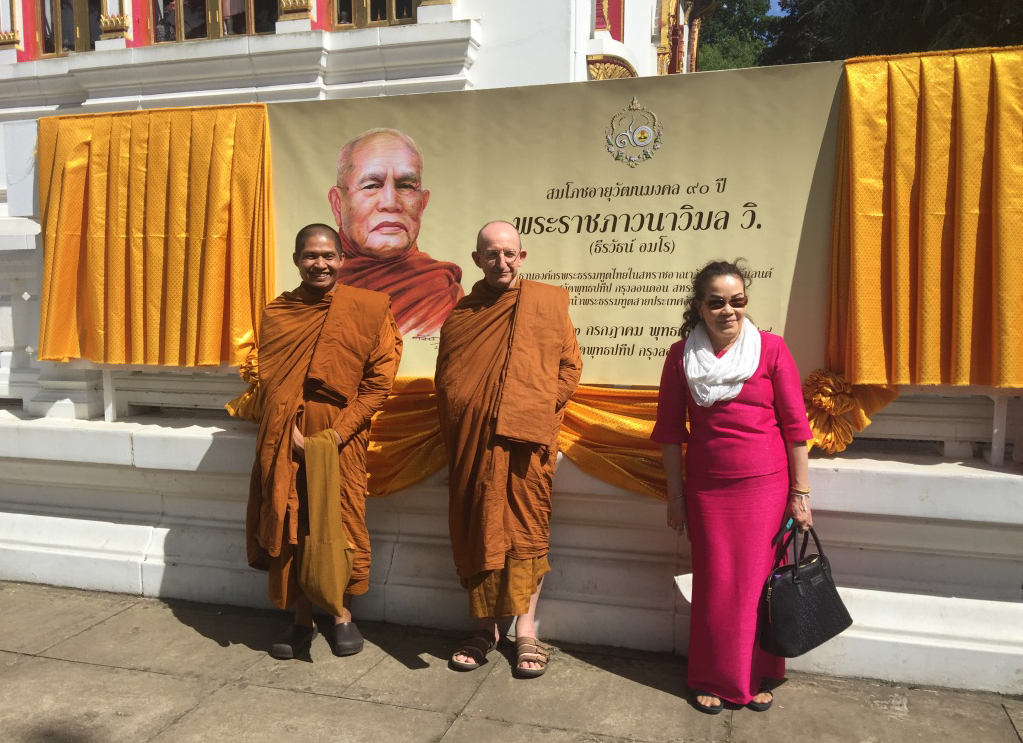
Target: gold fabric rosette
{"points": [[837, 409]]}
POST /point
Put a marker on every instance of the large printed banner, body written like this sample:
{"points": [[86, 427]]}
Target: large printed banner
{"points": [[621, 191]]}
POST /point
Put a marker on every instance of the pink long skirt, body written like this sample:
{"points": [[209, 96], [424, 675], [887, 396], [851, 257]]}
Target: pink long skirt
{"points": [[732, 522]]}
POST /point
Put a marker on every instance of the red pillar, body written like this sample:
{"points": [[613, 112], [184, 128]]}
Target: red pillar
{"points": [[324, 20], [29, 31], [141, 34]]}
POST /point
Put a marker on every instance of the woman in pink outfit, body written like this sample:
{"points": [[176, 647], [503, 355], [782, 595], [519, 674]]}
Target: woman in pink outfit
{"points": [[745, 474]]}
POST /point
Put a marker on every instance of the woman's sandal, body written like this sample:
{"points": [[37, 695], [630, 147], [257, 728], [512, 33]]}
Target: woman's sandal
{"points": [[710, 709], [530, 650], [761, 706], [476, 647]]}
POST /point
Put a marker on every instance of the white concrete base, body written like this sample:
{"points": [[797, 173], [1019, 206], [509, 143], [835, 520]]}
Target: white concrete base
{"points": [[155, 507], [108, 45], [296, 26]]}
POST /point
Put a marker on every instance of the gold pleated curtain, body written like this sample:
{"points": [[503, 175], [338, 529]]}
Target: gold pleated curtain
{"points": [[929, 250], [927, 246], [157, 235]]}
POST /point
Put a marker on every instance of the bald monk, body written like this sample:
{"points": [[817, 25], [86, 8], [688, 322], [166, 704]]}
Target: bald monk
{"points": [[507, 364], [327, 357], [378, 204]]}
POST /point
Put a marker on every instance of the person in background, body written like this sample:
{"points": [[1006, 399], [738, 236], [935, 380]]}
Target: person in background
{"points": [[378, 204]]}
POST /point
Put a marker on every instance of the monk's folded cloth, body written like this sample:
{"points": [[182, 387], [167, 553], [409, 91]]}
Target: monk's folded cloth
{"points": [[325, 555]]}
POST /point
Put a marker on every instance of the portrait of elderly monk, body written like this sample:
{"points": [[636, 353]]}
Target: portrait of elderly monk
{"points": [[378, 204], [327, 357], [508, 362]]}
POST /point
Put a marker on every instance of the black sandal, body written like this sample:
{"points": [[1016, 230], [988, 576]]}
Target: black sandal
{"points": [[295, 640], [761, 706], [710, 709]]}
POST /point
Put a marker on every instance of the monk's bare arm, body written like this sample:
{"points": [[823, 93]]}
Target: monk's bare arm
{"points": [[571, 368], [377, 378]]}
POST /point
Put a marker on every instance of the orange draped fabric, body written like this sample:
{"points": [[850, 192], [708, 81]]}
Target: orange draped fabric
{"points": [[606, 432], [157, 235], [927, 241]]}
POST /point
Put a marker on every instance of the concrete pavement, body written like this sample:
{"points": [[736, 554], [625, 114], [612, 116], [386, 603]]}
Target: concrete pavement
{"points": [[88, 667]]}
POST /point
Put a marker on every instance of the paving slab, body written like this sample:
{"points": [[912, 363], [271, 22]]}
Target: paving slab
{"points": [[414, 673], [177, 638], [1015, 711], [492, 731], [35, 617], [255, 714], [600, 694], [55, 701], [835, 711], [8, 661], [318, 670]]}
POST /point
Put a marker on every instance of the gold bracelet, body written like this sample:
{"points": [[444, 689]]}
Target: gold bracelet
{"points": [[797, 491]]}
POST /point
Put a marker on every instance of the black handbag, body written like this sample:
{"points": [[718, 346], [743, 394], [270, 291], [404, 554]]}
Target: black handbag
{"points": [[802, 608]]}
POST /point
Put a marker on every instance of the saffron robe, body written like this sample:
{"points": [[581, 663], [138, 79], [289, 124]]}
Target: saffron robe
{"points": [[423, 290], [324, 362], [508, 363]]}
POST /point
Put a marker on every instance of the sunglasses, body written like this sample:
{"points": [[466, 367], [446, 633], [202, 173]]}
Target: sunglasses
{"points": [[718, 303]]}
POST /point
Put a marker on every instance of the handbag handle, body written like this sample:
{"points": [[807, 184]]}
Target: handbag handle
{"points": [[791, 539]]}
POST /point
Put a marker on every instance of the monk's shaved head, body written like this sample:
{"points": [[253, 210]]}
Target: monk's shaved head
{"points": [[499, 254], [316, 230], [492, 229]]}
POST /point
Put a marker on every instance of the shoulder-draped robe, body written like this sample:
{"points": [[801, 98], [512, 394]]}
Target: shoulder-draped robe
{"points": [[507, 364], [324, 362]]}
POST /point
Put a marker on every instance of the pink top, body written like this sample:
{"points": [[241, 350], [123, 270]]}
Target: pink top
{"points": [[741, 437]]}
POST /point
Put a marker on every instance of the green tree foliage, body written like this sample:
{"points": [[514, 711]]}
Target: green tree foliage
{"points": [[818, 30], [735, 33]]}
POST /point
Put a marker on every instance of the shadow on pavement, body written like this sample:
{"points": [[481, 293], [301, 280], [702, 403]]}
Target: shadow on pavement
{"points": [[55, 732], [228, 625]]}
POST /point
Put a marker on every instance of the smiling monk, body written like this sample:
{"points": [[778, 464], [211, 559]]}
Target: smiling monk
{"points": [[507, 364], [327, 357]]}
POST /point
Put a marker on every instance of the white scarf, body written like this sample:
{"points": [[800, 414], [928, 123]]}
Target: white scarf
{"points": [[711, 378]]}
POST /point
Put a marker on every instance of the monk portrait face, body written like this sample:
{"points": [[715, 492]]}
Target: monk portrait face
{"points": [[318, 263], [499, 254], [379, 199]]}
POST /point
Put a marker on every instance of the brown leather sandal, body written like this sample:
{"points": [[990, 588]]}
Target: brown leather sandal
{"points": [[476, 647], [530, 650]]}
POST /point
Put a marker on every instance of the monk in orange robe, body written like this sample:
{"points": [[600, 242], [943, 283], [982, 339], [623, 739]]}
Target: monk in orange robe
{"points": [[327, 357], [507, 364], [378, 204]]}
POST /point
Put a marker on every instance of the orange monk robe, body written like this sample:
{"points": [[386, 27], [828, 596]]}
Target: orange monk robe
{"points": [[423, 290], [324, 362], [507, 364]]}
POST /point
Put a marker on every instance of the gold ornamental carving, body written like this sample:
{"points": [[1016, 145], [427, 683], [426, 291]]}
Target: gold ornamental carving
{"points": [[607, 67], [9, 38], [113, 26], [294, 10]]}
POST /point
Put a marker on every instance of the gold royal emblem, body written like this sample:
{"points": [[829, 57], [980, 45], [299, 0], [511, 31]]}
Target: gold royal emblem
{"points": [[633, 135]]}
